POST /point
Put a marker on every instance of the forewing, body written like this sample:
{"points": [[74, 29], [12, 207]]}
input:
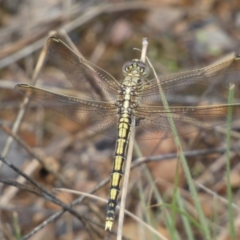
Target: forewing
{"points": [[153, 122], [91, 80], [99, 117], [209, 84]]}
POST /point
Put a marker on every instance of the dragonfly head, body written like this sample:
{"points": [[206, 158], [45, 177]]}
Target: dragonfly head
{"points": [[135, 68]]}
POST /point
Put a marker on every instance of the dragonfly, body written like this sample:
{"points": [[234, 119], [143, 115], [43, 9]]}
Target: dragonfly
{"points": [[108, 105]]}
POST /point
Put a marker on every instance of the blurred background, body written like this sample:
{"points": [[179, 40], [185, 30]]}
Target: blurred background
{"points": [[182, 35]]}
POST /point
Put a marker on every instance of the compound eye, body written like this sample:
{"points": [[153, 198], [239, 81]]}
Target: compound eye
{"points": [[145, 71], [127, 67], [143, 68]]}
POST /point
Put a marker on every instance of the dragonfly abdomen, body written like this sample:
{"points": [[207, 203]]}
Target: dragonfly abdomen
{"points": [[124, 125]]}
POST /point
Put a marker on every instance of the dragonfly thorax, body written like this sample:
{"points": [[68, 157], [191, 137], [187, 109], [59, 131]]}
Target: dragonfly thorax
{"points": [[134, 71]]}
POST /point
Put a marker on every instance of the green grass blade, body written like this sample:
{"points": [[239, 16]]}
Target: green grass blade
{"points": [[202, 219], [170, 224], [228, 164], [185, 219]]}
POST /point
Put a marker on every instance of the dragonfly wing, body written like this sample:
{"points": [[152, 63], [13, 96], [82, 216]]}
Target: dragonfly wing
{"points": [[91, 80], [99, 117], [154, 122], [209, 84]]}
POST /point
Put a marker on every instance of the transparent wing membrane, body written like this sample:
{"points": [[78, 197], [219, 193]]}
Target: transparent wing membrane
{"points": [[209, 84], [187, 119], [185, 92], [91, 80], [99, 117]]}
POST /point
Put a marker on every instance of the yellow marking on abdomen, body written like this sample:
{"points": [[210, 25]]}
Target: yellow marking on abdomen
{"points": [[120, 155], [118, 162], [113, 195], [121, 146], [116, 178]]}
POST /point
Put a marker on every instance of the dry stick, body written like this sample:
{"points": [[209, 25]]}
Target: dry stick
{"points": [[129, 158], [62, 33], [126, 179], [38, 192], [47, 23], [33, 153], [217, 196], [22, 53], [47, 195], [58, 214], [89, 14], [144, 49], [191, 153], [21, 186], [21, 44], [19, 119], [25, 102], [93, 12], [150, 228], [37, 70], [17, 50]]}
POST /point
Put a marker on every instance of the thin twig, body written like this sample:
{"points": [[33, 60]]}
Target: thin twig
{"points": [[59, 213], [89, 14], [21, 186], [150, 228], [46, 194], [37, 156], [20, 115], [217, 196], [126, 179], [21, 112], [192, 153], [144, 49]]}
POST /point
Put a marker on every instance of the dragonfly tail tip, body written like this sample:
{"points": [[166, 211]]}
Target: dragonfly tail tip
{"points": [[108, 225]]}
